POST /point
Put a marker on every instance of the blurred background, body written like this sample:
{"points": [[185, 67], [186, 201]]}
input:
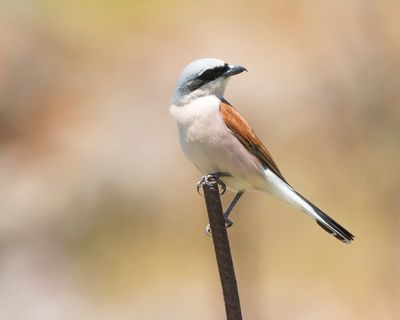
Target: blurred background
{"points": [[99, 214]]}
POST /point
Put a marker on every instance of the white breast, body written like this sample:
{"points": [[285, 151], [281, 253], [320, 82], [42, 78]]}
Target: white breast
{"points": [[211, 146]]}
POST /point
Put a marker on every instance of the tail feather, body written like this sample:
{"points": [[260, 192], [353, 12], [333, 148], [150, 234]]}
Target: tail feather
{"points": [[328, 224], [284, 191]]}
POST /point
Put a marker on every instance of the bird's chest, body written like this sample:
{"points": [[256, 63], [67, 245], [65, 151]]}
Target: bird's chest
{"points": [[201, 131], [210, 145]]}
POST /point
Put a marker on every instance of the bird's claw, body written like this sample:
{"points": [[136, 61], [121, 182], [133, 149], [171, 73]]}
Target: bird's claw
{"points": [[199, 185], [210, 179], [228, 224], [207, 230]]}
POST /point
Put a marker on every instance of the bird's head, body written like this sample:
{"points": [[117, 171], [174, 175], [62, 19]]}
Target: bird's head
{"points": [[203, 77]]}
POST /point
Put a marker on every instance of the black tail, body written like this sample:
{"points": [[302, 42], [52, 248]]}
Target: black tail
{"points": [[330, 225]]}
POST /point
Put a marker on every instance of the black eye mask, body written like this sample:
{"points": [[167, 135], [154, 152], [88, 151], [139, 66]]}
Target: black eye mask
{"points": [[207, 76]]}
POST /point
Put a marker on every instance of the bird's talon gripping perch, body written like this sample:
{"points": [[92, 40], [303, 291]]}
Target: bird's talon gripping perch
{"points": [[220, 183], [207, 230], [210, 179], [199, 186], [228, 224]]}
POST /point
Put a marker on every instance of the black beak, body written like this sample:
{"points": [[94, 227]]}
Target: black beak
{"points": [[233, 70]]}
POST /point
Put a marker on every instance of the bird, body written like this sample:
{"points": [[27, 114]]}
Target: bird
{"points": [[219, 141]]}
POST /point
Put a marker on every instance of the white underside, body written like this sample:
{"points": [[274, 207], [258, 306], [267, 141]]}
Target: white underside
{"points": [[211, 146]]}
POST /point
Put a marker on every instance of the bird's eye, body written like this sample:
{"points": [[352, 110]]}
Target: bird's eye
{"points": [[212, 74], [206, 76]]}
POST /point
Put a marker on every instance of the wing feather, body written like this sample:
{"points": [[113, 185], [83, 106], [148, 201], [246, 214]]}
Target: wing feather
{"points": [[245, 134]]}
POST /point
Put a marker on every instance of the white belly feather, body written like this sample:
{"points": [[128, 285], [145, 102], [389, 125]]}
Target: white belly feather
{"points": [[210, 145]]}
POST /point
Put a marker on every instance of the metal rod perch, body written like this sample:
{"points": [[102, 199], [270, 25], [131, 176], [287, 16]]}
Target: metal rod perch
{"points": [[222, 249]]}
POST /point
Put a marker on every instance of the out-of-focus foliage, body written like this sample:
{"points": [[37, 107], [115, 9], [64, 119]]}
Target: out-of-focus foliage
{"points": [[99, 214]]}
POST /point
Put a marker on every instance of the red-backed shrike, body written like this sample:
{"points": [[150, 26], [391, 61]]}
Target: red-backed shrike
{"points": [[216, 138]]}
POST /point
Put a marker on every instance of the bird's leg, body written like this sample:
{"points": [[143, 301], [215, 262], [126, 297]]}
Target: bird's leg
{"points": [[231, 206], [228, 223]]}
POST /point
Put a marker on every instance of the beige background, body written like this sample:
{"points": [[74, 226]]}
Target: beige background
{"points": [[99, 214]]}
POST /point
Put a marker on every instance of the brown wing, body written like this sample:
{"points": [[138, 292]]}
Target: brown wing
{"points": [[245, 134]]}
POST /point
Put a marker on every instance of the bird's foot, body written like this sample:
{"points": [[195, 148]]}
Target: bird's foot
{"points": [[211, 179], [228, 224]]}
